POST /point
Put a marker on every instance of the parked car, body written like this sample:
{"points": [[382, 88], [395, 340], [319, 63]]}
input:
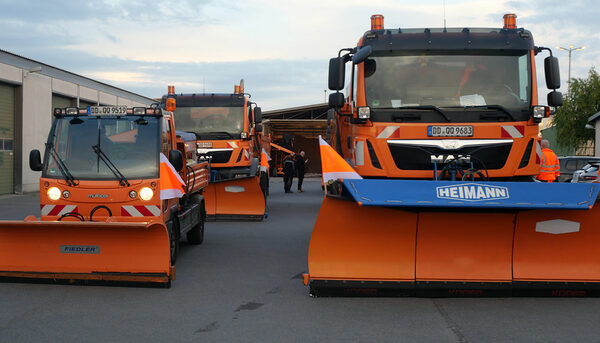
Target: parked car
{"points": [[569, 164], [589, 173]]}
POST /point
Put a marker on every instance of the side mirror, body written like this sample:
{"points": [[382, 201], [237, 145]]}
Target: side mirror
{"points": [[337, 73], [362, 54], [258, 128], [555, 99], [552, 72], [336, 100], [176, 159], [257, 115], [35, 160]]}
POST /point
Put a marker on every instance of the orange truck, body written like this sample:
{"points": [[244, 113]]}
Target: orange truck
{"points": [[228, 135], [116, 195], [430, 170]]}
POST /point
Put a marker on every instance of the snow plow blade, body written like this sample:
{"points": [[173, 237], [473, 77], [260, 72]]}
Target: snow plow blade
{"points": [[456, 238], [73, 250], [238, 199]]}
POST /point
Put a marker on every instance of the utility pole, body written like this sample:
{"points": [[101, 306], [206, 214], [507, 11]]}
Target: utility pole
{"points": [[570, 49]]}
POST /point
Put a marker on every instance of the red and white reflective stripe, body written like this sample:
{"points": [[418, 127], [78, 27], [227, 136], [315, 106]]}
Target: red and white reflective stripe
{"points": [[140, 211], [232, 145], [246, 155], [512, 131], [388, 132], [538, 153], [57, 210]]}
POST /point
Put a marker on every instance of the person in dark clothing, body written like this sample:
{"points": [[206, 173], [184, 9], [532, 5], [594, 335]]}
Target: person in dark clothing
{"points": [[288, 173], [300, 163]]}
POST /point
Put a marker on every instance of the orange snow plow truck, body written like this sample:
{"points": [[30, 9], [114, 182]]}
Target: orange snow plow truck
{"points": [[228, 135], [116, 195], [440, 131]]}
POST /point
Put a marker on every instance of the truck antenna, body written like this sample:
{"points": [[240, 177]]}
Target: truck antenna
{"points": [[203, 90], [444, 15]]}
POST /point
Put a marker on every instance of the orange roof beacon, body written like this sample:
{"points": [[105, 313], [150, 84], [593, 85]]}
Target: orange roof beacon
{"points": [[227, 131], [118, 190], [442, 125]]}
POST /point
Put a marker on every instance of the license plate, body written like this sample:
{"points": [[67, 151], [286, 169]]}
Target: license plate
{"points": [[107, 110], [204, 144], [450, 131]]}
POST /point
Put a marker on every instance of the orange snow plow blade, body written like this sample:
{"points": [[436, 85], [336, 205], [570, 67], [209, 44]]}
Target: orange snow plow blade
{"points": [[72, 250], [352, 242], [239, 199], [488, 248]]}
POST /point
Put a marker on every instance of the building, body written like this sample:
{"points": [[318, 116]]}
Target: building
{"points": [[29, 90], [297, 129], [594, 122]]}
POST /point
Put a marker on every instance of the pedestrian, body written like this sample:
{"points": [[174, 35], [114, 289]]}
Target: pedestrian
{"points": [[288, 172], [300, 164], [550, 168]]}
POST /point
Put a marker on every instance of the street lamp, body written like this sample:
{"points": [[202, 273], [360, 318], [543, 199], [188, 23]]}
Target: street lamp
{"points": [[570, 49]]}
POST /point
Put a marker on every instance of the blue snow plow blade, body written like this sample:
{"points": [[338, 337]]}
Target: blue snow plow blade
{"points": [[465, 194]]}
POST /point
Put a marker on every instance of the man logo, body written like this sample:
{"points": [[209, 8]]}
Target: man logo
{"points": [[472, 192]]}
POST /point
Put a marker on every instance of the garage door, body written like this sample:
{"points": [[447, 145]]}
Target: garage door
{"points": [[7, 134]]}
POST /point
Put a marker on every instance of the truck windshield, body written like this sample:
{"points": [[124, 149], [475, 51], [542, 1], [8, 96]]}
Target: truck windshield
{"points": [[448, 80], [211, 122], [129, 142]]}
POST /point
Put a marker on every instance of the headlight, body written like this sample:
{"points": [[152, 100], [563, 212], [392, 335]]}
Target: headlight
{"points": [[54, 193], [133, 194], [539, 112], [244, 135], [146, 193], [66, 194], [364, 112]]}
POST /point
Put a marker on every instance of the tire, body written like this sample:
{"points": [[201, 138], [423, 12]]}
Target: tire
{"points": [[196, 234], [174, 241]]}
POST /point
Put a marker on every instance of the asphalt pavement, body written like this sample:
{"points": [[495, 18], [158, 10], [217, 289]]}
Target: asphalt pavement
{"points": [[243, 284]]}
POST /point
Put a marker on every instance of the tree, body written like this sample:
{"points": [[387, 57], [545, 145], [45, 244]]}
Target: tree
{"points": [[581, 102]]}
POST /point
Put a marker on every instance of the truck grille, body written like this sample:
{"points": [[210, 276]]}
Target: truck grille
{"points": [[217, 156], [488, 157]]}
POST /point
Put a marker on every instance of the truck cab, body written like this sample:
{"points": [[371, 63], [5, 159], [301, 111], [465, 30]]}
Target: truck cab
{"points": [[420, 100], [226, 128]]}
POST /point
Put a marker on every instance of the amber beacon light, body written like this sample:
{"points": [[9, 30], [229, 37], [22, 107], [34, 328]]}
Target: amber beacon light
{"points": [[510, 21], [377, 22]]}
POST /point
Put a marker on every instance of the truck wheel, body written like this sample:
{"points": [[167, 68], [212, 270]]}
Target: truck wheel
{"points": [[174, 242], [196, 234]]}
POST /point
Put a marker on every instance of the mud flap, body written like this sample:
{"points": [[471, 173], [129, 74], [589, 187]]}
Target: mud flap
{"points": [[69, 250], [239, 199]]}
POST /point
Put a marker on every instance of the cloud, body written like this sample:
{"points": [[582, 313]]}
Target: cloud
{"points": [[279, 47]]}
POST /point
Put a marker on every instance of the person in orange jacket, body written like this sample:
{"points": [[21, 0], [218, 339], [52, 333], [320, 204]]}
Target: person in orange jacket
{"points": [[550, 168]]}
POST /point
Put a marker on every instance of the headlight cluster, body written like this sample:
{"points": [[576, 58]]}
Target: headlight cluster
{"points": [[146, 193], [54, 193]]}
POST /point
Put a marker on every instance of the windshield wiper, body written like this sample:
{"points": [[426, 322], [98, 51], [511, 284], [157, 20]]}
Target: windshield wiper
{"points": [[70, 179], [424, 107], [215, 133], [122, 180], [494, 107]]}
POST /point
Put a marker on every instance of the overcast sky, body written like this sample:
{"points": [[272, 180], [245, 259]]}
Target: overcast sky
{"points": [[280, 48]]}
